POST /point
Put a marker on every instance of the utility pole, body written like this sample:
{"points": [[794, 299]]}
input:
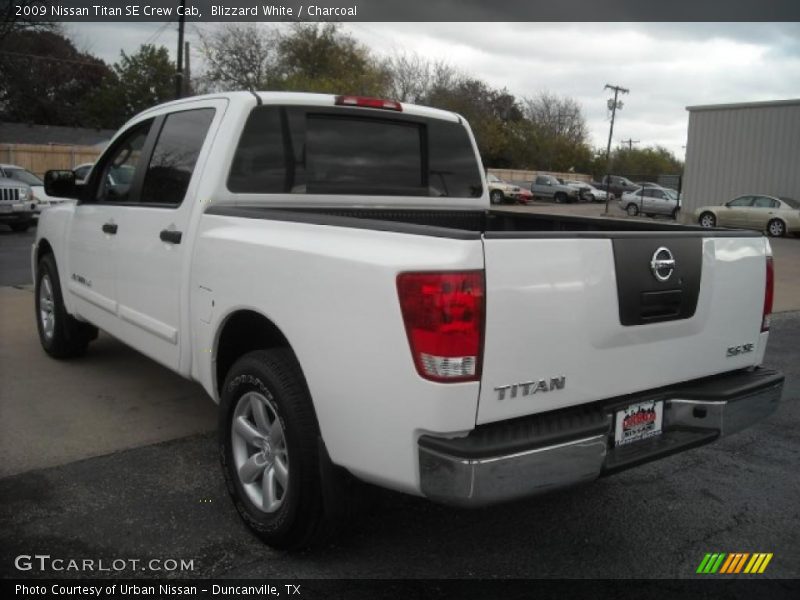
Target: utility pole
{"points": [[613, 105], [630, 143], [187, 71], [179, 62]]}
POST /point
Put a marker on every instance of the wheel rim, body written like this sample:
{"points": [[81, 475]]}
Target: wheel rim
{"points": [[776, 228], [632, 211], [260, 456], [707, 221], [47, 315]]}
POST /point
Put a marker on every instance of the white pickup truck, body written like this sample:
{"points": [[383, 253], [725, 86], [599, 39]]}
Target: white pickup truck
{"points": [[329, 269]]}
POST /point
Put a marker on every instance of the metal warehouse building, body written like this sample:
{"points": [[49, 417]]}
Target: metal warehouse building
{"points": [[736, 149]]}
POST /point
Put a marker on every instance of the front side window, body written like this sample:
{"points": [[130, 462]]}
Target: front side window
{"points": [[174, 157], [299, 150], [124, 155], [741, 201]]}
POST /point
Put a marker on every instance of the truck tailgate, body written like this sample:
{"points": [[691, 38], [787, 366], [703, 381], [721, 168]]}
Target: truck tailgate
{"points": [[576, 319]]}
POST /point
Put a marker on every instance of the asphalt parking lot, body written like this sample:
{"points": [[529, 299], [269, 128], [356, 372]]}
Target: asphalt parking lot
{"points": [[113, 456]]}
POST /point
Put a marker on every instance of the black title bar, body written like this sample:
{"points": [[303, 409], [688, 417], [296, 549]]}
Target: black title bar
{"points": [[404, 10]]}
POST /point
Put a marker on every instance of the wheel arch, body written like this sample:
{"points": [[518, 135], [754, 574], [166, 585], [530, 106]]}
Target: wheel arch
{"points": [[240, 332], [43, 248]]}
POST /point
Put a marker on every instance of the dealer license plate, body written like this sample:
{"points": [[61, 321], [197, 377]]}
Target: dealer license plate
{"points": [[638, 422]]}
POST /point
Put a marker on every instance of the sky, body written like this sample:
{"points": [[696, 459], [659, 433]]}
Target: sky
{"points": [[666, 66]]}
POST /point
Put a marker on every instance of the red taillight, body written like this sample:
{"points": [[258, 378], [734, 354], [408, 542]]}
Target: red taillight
{"points": [[769, 294], [365, 102], [443, 315]]}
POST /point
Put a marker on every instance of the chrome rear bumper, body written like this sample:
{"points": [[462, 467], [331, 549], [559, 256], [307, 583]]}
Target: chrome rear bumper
{"points": [[454, 472]]}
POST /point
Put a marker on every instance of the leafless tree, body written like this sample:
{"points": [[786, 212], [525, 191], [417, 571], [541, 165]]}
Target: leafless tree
{"points": [[10, 22], [413, 78], [239, 56], [556, 116]]}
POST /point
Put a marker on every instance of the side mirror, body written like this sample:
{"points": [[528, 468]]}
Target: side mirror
{"points": [[60, 184]]}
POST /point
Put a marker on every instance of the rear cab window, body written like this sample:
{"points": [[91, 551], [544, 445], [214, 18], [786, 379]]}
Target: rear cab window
{"points": [[317, 150]]}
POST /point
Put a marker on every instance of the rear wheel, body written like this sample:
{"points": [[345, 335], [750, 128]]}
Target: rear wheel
{"points": [[707, 220], [496, 197], [275, 465], [61, 335], [632, 210], [776, 228], [675, 213]]}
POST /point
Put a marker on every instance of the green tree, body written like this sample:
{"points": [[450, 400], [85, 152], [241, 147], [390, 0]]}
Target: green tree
{"points": [[640, 164], [495, 116], [138, 81], [45, 78], [316, 57]]}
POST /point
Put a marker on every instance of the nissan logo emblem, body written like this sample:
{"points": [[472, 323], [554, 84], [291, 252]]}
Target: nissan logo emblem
{"points": [[662, 264]]}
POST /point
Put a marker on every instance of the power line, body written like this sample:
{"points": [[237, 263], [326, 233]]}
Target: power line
{"points": [[630, 143], [52, 58]]}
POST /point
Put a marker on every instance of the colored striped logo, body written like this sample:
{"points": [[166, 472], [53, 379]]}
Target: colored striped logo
{"points": [[734, 563]]}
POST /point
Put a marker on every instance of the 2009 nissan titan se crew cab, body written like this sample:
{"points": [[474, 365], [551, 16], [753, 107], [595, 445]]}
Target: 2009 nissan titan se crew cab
{"points": [[329, 269]]}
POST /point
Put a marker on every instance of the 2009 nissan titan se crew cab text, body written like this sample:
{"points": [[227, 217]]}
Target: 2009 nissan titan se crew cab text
{"points": [[329, 269]]}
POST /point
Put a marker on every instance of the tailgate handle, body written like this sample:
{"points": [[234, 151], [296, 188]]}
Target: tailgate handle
{"points": [[170, 236], [110, 228], [660, 305]]}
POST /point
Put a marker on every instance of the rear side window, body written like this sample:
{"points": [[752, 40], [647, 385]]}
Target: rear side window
{"points": [[762, 202], [300, 150], [174, 156]]}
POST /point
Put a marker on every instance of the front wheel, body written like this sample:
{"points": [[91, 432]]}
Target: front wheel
{"points": [[560, 197], [632, 210], [776, 228], [61, 335], [496, 197], [707, 220]]}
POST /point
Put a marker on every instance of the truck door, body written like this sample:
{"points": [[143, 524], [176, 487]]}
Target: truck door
{"points": [[152, 254], [92, 241]]}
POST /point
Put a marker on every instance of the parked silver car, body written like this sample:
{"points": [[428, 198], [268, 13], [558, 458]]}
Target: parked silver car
{"points": [[549, 187], [17, 206], [651, 201]]}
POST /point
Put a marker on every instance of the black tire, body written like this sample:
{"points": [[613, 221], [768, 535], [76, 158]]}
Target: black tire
{"points": [[61, 336], [560, 197], [632, 209], [496, 197], [674, 214], [707, 220], [776, 228], [320, 498], [20, 227]]}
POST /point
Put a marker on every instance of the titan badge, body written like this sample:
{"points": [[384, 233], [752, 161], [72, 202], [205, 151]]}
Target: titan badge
{"points": [[529, 388]]}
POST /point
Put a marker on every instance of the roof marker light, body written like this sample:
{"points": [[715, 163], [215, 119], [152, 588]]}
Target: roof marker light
{"points": [[366, 102]]}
